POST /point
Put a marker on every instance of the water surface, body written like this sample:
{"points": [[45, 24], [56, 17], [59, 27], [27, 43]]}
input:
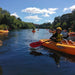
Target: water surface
{"points": [[18, 58]]}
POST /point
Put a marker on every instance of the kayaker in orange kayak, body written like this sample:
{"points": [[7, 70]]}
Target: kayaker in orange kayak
{"points": [[70, 30], [33, 30], [57, 37], [65, 34]]}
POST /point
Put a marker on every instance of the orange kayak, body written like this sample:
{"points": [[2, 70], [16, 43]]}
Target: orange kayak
{"points": [[33, 31], [65, 47], [72, 34]]}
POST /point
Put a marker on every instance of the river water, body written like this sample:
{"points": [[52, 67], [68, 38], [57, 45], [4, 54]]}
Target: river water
{"points": [[18, 58]]}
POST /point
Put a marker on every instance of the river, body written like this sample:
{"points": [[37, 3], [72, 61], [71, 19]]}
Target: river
{"points": [[18, 58]]}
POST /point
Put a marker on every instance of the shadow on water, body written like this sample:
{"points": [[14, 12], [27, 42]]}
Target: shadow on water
{"points": [[1, 72], [64, 56], [55, 55], [35, 53]]}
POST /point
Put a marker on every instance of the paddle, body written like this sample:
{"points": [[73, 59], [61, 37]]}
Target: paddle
{"points": [[36, 44]]}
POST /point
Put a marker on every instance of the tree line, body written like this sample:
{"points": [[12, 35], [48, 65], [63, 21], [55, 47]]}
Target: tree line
{"points": [[11, 22], [65, 21]]}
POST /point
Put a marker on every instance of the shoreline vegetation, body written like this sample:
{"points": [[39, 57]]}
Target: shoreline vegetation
{"points": [[9, 22]]}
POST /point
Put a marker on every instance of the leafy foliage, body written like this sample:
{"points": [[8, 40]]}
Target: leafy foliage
{"points": [[11, 22], [65, 21]]}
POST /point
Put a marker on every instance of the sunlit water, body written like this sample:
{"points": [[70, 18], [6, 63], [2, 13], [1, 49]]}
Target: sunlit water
{"points": [[18, 58]]}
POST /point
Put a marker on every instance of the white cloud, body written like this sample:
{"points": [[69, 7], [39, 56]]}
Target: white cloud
{"points": [[35, 17], [70, 8], [49, 21], [14, 14], [52, 10], [65, 9], [34, 10], [46, 15], [44, 12]]}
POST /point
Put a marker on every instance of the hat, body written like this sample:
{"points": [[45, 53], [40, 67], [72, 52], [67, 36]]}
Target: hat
{"points": [[59, 28]]}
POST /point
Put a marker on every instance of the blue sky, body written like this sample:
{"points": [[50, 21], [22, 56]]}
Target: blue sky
{"points": [[38, 11]]}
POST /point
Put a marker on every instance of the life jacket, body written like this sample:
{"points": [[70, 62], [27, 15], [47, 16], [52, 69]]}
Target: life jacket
{"points": [[69, 31], [59, 37]]}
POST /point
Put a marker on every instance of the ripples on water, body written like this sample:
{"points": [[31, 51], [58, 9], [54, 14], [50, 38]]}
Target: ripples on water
{"points": [[18, 58]]}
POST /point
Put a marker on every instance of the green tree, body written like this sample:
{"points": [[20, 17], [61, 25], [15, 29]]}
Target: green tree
{"points": [[64, 25]]}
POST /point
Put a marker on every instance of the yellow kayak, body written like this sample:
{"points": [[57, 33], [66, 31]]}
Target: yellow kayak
{"points": [[66, 46], [4, 31]]}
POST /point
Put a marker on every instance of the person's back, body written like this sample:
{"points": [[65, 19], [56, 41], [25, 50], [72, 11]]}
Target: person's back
{"points": [[65, 34]]}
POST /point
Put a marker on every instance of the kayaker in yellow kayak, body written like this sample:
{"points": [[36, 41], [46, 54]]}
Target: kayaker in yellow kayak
{"points": [[57, 37]]}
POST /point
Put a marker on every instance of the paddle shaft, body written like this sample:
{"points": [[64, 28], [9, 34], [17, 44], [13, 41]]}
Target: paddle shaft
{"points": [[36, 44]]}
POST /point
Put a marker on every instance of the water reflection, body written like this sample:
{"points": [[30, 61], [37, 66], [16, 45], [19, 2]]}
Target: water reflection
{"points": [[17, 58], [2, 37], [35, 53], [1, 43], [57, 56]]}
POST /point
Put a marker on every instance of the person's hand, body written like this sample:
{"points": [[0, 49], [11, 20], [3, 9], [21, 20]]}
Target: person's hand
{"points": [[54, 38]]}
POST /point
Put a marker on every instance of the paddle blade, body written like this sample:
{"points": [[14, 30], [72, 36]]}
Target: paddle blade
{"points": [[35, 44]]}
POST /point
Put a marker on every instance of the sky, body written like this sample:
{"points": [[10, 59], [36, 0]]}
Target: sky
{"points": [[38, 11]]}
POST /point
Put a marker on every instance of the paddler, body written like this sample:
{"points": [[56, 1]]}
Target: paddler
{"points": [[57, 36], [65, 34]]}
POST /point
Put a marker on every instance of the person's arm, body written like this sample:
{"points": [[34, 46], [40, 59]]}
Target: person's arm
{"points": [[53, 37]]}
